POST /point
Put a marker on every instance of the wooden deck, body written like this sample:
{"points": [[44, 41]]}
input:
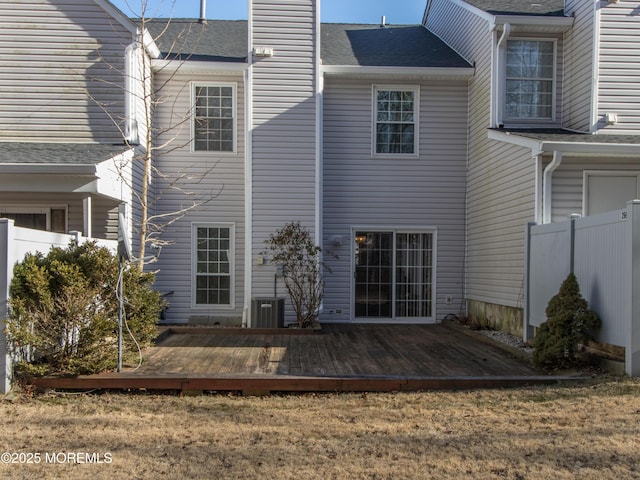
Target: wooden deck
{"points": [[339, 358]]}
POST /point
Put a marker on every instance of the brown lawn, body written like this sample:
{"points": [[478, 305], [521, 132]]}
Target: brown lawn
{"points": [[585, 431]]}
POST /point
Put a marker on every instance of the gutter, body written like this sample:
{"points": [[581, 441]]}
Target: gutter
{"points": [[458, 73]]}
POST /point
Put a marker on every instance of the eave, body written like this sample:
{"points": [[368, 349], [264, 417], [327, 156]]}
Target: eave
{"points": [[533, 23], [356, 71], [199, 66], [592, 148]]}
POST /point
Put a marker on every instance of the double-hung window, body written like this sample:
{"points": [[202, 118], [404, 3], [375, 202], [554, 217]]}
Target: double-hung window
{"points": [[529, 80], [396, 120], [213, 246], [214, 118]]}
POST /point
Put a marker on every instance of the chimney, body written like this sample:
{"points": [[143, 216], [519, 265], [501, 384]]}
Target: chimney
{"points": [[383, 22], [203, 11]]}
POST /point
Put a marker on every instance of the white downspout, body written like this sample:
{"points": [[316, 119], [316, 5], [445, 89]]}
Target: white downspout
{"points": [[500, 74], [547, 186], [130, 89], [248, 177]]}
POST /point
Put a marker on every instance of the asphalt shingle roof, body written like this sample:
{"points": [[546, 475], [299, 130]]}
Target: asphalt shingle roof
{"points": [[341, 44], [520, 7], [188, 38], [58, 153], [389, 46]]}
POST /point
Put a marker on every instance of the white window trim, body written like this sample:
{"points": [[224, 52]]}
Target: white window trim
{"points": [[192, 137], [416, 120], [603, 173], [503, 86], [38, 209], [232, 265], [434, 272]]}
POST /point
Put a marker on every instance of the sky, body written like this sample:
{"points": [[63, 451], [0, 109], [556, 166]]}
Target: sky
{"points": [[336, 11]]}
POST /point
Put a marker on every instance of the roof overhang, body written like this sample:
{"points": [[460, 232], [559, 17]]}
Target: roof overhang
{"points": [[198, 66], [103, 178], [533, 23], [357, 71], [144, 37], [568, 148]]}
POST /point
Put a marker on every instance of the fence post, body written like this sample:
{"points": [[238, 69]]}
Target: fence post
{"points": [[572, 247], [6, 272], [632, 348], [527, 329]]}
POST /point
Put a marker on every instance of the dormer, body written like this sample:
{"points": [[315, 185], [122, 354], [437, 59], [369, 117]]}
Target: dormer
{"points": [[527, 52]]}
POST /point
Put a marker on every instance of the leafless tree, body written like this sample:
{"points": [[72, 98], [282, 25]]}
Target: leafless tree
{"points": [[146, 95]]}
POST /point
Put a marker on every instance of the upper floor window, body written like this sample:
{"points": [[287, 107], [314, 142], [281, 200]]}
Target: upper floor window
{"points": [[396, 120], [529, 80], [214, 119]]}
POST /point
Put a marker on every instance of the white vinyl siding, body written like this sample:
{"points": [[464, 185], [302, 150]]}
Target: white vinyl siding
{"points": [[579, 63], [285, 130], [500, 178], [568, 182], [61, 65], [395, 123], [362, 191], [619, 66], [213, 181]]}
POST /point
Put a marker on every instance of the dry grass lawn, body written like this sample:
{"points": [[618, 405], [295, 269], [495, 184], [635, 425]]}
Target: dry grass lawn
{"points": [[586, 432]]}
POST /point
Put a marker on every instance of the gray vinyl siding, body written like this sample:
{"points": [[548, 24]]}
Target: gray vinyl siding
{"points": [[284, 124], [500, 202], [579, 60], [500, 177], [52, 54], [619, 65], [215, 181], [413, 193], [568, 182]]}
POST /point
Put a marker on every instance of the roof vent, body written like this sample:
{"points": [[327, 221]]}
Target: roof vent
{"points": [[383, 22], [203, 11]]}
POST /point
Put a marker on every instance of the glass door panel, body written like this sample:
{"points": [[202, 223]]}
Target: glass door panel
{"points": [[393, 274], [413, 274], [373, 274]]}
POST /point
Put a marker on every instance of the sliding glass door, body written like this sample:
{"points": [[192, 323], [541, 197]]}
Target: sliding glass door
{"points": [[393, 274]]}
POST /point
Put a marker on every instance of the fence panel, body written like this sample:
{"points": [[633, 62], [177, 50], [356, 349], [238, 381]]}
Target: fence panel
{"points": [[15, 243], [550, 254], [601, 269]]}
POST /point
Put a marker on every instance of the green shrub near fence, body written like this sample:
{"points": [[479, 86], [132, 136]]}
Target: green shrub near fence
{"points": [[63, 311]]}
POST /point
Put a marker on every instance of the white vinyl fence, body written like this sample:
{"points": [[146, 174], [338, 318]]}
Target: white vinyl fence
{"points": [[15, 243], [604, 253]]}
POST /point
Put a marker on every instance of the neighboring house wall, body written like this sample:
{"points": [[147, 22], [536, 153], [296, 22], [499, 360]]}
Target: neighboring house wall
{"points": [[500, 178], [102, 225], [285, 123], [619, 66], [214, 180], [579, 63], [58, 61], [427, 192]]}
